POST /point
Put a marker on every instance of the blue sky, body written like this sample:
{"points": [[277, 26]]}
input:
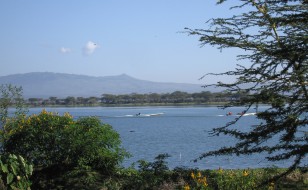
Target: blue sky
{"points": [[141, 38]]}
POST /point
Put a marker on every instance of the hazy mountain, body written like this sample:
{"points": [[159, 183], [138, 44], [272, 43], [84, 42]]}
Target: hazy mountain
{"points": [[46, 84]]}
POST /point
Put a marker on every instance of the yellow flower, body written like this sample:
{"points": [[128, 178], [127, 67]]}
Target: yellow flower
{"points": [[205, 184], [186, 187], [192, 175], [271, 186], [220, 171], [245, 173], [199, 174], [44, 111], [66, 114], [199, 180], [204, 179]]}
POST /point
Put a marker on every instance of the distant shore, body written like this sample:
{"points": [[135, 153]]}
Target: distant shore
{"points": [[211, 104]]}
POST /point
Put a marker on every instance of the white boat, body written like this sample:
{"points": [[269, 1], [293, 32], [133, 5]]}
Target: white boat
{"points": [[156, 114], [149, 115], [248, 114]]}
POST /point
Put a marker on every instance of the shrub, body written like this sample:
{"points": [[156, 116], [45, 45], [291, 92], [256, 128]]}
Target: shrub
{"points": [[58, 145], [251, 179], [14, 172], [151, 175]]}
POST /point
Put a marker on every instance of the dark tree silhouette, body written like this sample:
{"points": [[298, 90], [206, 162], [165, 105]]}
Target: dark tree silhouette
{"points": [[273, 34]]}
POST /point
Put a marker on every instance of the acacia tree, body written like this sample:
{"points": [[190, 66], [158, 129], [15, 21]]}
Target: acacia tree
{"points": [[273, 34]]}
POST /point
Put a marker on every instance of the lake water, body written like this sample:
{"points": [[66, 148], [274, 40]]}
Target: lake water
{"points": [[182, 132]]}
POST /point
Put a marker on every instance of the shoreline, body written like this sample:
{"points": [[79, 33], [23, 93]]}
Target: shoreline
{"points": [[213, 104], [137, 105]]}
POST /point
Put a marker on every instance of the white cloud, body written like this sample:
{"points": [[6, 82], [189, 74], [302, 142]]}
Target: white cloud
{"points": [[65, 50], [90, 47]]}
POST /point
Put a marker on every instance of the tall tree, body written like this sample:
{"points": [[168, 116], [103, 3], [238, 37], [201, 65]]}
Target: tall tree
{"points": [[273, 34], [53, 100], [70, 100]]}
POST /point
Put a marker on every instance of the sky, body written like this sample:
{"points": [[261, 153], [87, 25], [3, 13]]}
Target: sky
{"points": [[144, 39]]}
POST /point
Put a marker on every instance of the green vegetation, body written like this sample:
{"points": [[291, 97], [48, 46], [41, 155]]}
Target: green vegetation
{"points": [[86, 154], [272, 35], [11, 96], [246, 179], [175, 98], [60, 148], [62, 153], [14, 172]]}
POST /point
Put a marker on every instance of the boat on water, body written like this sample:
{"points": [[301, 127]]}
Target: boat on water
{"points": [[248, 114], [149, 115], [145, 115], [240, 114]]}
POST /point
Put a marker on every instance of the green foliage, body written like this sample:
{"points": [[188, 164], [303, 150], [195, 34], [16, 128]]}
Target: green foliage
{"points": [[41, 139], [273, 37], [11, 96], [99, 146], [244, 179], [230, 179], [194, 179], [14, 172], [150, 175], [58, 145]]}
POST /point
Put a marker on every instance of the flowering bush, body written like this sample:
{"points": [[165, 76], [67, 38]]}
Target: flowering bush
{"points": [[58, 144], [229, 179]]}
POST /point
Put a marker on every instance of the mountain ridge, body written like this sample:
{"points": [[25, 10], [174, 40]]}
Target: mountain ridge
{"points": [[47, 84]]}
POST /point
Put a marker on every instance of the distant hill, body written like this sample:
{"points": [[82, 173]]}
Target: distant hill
{"points": [[46, 84]]}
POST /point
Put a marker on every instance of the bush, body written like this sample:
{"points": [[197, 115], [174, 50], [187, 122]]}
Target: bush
{"points": [[151, 175], [58, 145], [257, 179], [14, 172]]}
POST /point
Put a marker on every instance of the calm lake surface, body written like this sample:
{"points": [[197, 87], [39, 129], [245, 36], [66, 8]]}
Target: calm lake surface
{"points": [[181, 132]]}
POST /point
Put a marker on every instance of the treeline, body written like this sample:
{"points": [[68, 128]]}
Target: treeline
{"points": [[176, 97]]}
